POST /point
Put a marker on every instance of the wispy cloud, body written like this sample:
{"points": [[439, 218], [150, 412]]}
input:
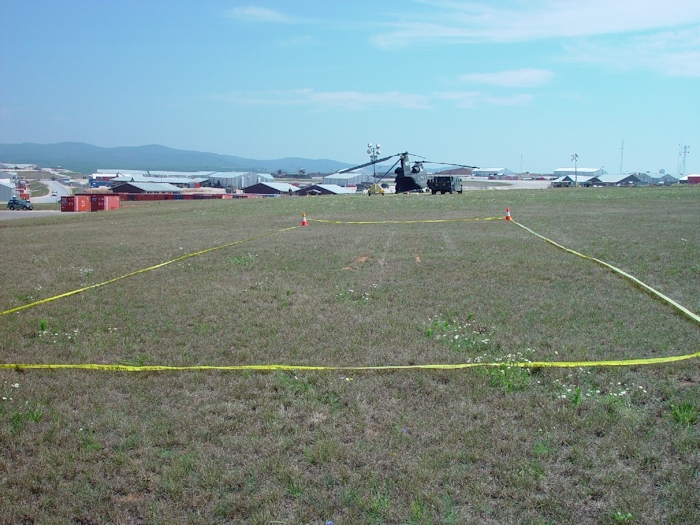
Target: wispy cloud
{"points": [[264, 15], [525, 77], [516, 21], [672, 53], [342, 100], [360, 101], [462, 99], [522, 99]]}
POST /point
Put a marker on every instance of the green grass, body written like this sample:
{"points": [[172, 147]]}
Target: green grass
{"points": [[485, 445], [38, 189]]}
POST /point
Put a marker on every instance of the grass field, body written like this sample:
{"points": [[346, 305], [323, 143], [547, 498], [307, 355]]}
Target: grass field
{"points": [[480, 445]]}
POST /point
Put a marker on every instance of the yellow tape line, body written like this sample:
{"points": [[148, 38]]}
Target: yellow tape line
{"points": [[458, 366], [92, 286], [406, 222], [636, 281], [267, 368]]}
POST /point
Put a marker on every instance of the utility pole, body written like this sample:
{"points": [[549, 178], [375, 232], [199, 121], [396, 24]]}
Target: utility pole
{"points": [[683, 150], [574, 157], [373, 152], [622, 154]]}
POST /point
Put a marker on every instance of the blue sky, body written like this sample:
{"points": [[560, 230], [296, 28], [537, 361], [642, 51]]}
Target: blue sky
{"points": [[516, 84]]}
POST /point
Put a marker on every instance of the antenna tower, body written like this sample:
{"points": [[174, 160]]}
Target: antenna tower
{"points": [[683, 150], [622, 154]]}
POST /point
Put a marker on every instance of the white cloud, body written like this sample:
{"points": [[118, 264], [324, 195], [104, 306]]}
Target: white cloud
{"points": [[342, 100], [262, 14], [462, 99], [525, 77], [672, 53], [360, 101], [516, 21], [522, 99]]}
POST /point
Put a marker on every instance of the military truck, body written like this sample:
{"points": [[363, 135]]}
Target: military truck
{"points": [[445, 184]]}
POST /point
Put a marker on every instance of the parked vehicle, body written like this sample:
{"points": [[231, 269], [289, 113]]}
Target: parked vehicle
{"points": [[375, 188], [16, 203], [445, 184]]}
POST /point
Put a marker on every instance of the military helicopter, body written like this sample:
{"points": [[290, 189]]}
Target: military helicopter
{"points": [[408, 177]]}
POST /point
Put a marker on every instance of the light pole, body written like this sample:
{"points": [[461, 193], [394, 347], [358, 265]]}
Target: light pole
{"points": [[574, 157], [373, 152]]}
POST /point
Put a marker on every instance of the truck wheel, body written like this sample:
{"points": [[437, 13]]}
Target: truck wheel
{"points": [[12, 208], [434, 191], [460, 192]]}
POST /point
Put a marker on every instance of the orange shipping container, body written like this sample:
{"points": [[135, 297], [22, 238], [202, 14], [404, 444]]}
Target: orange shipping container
{"points": [[104, 202], [82, 203], [112, 202]]}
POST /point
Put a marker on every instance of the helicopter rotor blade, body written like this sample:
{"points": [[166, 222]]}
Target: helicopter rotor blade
{"points": [[366, 164], [450, 164], [378, 179], [414, 155]]}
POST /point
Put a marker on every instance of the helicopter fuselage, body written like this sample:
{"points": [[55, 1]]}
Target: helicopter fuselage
{"points": [[410, 178]]}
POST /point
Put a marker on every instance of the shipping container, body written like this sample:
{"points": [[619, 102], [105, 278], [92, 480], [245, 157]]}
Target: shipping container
{"points": [[68, 203], [82, 203]]}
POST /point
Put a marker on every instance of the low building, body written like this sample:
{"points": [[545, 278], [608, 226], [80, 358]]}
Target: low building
{"points": [[181, 182], [569, 181], [7, 190], [619, 180], [234, 180], [146, 187], [353, 178], [493, 173], [325, 189], [271, 188], [579, 172]]}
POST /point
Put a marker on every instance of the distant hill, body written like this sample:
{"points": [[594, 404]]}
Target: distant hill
{"points": [[85, 158]]}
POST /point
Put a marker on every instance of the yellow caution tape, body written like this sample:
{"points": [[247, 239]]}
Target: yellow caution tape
{"points": [[110, 281], [406, 222], [520, 364], [267, 368], [636, 281]]}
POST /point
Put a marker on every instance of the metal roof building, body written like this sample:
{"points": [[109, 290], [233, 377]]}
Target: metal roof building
{"points": [[492, 172], [178, 181], [346, 179], [587, 172], [7, 189], [237, 179], [146, 187], [152, 173], [325, 189], [618, 180], [271, 188], [600, 180]]}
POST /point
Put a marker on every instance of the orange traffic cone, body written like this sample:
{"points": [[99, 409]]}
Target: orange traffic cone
{"points": [[508, 214], [303, 220]]}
